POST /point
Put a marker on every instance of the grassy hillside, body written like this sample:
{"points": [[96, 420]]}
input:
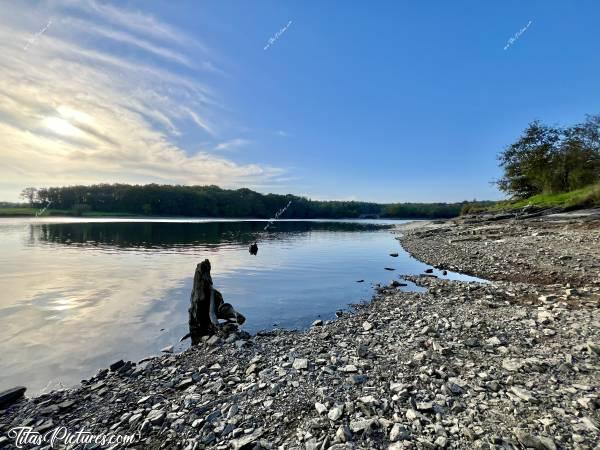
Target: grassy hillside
{"points": [[581, 198]]}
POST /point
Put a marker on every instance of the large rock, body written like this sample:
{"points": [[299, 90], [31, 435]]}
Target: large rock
{"points": [[321, 408], [523, 394], [300, 364], [246, 442], [116, 365], [156, 416], [399, 433], [343, 434], [511, 365], [529, 441], [336, 412], [10, 396], [363, 425], [594, 348]]}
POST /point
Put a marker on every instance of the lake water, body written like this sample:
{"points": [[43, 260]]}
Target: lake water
{"points": [[79, 294]]}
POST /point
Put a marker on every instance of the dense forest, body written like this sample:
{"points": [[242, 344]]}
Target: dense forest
{"points": [[212, 201], [544, 160], [551, 160]]}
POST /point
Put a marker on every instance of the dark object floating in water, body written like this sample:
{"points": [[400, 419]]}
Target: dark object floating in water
{"points": [[10, 396], [395, 255], [339, 313], [360, 281], [253, 249], [428, 270], [445, 272], [389, 268]]}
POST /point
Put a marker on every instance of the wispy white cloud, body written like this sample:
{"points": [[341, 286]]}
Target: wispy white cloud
{"points": [[198, 121], [232, 144], [134, 21], [122, 37], [73, 109]]}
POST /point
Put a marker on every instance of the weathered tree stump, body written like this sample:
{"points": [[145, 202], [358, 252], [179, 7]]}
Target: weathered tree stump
{"points": [[207, 305]]}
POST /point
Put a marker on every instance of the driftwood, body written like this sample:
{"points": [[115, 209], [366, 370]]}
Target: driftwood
{"points": [[207, 305]]}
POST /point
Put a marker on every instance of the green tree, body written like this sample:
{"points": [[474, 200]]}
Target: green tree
{"points": [[578, 162], [526, 163], [212, 201], [29, 194]]}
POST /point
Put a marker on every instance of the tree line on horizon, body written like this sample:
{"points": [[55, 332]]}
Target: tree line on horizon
{"points": [[212, 201], [544, 160], [551, 160]]}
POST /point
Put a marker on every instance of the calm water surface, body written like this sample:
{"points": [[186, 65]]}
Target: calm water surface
{"points": [[79, 294]]}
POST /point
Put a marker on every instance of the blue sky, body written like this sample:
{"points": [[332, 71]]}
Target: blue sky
{"points": [[383, 101]]}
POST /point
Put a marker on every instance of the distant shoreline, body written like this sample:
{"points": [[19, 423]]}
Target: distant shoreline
{"points": [[402, 359], [31, 213]]}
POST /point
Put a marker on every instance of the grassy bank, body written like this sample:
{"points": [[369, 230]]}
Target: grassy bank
{"points": [[581, 198], [31, 212]]}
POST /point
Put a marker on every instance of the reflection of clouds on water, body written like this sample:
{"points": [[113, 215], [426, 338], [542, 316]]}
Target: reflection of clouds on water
{"points": [[79, 295], [67, 303]]}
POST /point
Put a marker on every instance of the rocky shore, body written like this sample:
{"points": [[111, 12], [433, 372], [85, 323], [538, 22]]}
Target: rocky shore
{"points": [[555, 248], [510, 364]]}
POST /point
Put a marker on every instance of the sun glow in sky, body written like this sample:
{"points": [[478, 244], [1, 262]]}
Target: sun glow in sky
{"points": [[113, 94], [60, 126], [405, 101]]}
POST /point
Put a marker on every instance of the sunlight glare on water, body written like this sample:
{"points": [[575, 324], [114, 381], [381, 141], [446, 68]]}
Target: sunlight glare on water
{"points": [[80, 294]]}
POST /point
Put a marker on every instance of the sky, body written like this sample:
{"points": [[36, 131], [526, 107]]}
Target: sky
{"points": [[382, 101]]}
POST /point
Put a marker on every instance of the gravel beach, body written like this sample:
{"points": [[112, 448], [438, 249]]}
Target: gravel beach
{"points": [[509, 364]]}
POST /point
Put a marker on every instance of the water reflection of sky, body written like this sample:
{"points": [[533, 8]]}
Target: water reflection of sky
{"points": [[77, 295]]}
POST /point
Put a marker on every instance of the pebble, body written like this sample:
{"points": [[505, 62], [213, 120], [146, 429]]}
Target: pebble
{"points": [[456, 365], [321, 408], [523, 394], [336, 412], [300, 364]]}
